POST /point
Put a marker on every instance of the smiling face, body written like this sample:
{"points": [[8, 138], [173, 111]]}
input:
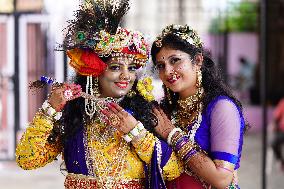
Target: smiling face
{"points": [[118, 78], [177, 71]]}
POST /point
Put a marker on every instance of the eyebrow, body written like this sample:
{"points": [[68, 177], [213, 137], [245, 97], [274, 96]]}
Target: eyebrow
{"points": [[121, 63]]}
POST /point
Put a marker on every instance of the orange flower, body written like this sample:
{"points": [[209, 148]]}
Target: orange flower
{"points": [[86, 62]]}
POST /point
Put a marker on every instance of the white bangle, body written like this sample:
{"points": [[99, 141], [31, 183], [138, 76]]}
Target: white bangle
{"points": [[137, 129], [140, 126], [171, 134], [50, 111], [128, 137], [135, 132]]}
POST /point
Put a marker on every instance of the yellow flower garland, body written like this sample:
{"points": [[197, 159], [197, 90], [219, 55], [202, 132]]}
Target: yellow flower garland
{"points": [[145, 88]]}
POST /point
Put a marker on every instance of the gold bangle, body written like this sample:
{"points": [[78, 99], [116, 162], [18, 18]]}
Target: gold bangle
{"points": [[184, 149], [176, 138]]}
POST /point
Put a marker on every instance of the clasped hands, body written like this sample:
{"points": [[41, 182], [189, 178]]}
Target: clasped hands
{"points": [[125, 122]]}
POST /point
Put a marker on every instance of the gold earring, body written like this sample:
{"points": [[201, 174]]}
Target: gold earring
{"points": [[168, 95], [199, 79], [96, 90]]}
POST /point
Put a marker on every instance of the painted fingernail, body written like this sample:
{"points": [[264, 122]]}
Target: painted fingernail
{"points": [[112, 103], [104, 111]]}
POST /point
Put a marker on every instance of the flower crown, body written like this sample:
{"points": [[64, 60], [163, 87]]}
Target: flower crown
{"points": [[85, 59], [95, 33], [184, 32]]}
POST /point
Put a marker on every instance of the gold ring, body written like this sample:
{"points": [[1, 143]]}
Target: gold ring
{"points": [[114, 120]]}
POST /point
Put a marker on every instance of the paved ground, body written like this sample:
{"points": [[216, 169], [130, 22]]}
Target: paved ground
{"points": [[250, 172], [12, 177]]}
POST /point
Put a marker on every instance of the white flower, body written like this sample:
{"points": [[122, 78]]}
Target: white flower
{"points": [[190, 41]]}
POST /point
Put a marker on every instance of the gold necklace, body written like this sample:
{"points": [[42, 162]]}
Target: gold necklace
{"points": [[189, 108], [191, 102]]}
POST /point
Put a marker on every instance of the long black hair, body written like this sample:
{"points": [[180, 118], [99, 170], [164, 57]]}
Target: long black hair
{"points": [[212, 80]]}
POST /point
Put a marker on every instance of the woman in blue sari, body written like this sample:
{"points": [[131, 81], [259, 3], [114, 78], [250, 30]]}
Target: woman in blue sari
{"points": [[199, 118]]}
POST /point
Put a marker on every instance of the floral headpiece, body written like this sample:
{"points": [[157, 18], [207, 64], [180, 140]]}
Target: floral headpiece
{"points": [[95, 33], [184, 32]]}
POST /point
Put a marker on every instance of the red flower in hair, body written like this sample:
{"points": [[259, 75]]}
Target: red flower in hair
{"points": [[86, 62]]}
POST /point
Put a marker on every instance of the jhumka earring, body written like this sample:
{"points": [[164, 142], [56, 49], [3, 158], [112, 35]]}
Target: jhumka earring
{"points": [[199, 79], [168, 95]]}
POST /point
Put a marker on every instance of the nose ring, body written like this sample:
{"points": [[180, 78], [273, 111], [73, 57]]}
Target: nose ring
{"points": [[124, 77], [174, 74]]}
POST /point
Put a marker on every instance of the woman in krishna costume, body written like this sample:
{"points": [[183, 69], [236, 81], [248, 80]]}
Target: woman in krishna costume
{"points": [[93, 122]]}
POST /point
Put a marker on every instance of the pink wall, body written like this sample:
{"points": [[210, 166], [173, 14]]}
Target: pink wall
{"points": [[240, 44]]}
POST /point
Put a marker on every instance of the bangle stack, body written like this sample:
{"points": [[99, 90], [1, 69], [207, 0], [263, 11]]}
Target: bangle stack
{"points": [[171, 134], [181, 144], [136, 131], [51, 112]]}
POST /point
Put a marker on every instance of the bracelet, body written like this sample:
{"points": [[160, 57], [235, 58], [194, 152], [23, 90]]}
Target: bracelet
{"points": [[189, 155], [127, 138], [137, 130], [139, 137], [181, 141], [171, 134], [51, 112], [182, 152], [177, 138]]}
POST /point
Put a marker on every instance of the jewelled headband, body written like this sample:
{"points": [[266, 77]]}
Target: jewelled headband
{"points": [[184, 32]]}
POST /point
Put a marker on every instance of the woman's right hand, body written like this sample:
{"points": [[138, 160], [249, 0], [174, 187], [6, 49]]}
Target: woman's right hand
{"points": [[61, 94]]}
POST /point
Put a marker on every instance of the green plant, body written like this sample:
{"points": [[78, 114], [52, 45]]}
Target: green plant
{"points": [[241, 17]]}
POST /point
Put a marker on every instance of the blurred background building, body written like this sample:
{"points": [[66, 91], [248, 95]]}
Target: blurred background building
{"points": [[231, 31]]}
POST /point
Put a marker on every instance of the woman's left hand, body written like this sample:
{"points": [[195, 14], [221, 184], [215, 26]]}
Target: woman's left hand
{"points": [[119, 118], [165, 125]]}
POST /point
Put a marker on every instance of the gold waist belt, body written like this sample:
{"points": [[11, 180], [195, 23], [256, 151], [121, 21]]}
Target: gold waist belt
{"points": [[78, 181]]}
